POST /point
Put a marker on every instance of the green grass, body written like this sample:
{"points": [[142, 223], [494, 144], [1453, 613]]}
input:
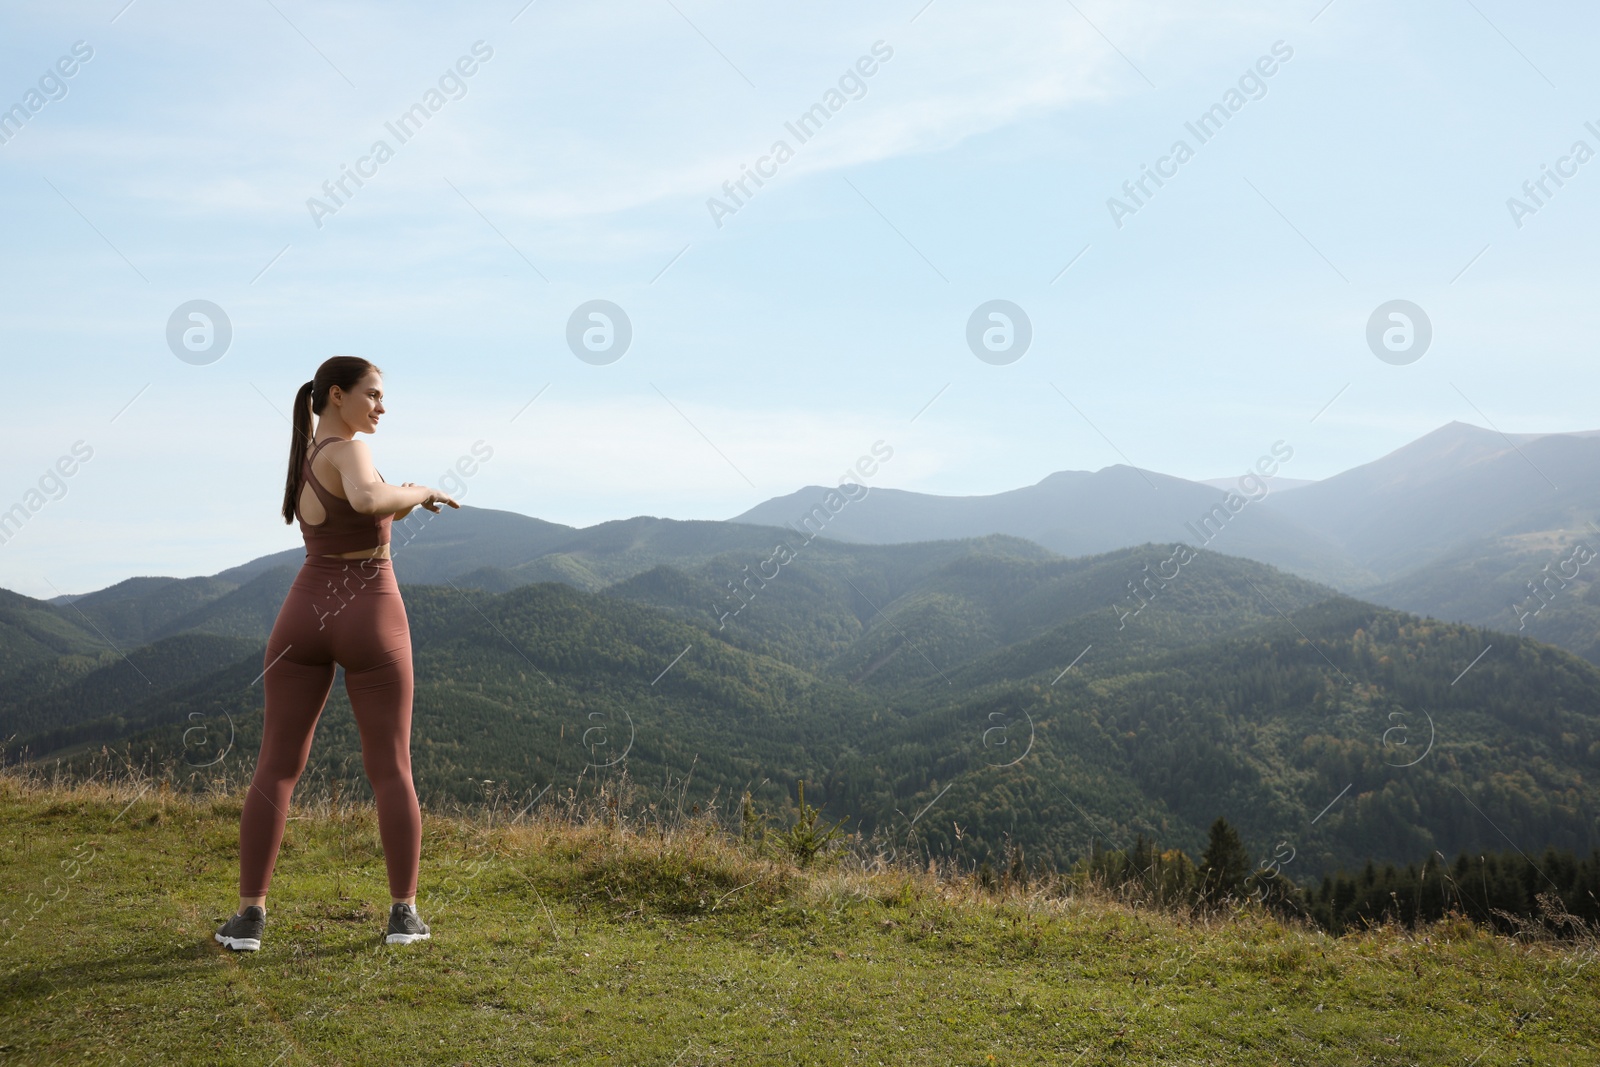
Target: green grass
{"points": [[566, 940]]}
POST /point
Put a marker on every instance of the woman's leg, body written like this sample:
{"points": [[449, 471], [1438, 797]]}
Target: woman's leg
{"points": [[296, 689], [296, 693], [378, 676], [380, 697]]}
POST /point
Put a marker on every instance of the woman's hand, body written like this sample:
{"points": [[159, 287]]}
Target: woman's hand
{"points": [[435, 498]]}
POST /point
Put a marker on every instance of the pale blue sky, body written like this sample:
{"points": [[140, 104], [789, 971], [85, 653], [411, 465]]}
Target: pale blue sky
{"points": [[772, 351]]}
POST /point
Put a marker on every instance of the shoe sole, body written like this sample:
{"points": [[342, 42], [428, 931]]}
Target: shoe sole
{"points": [[405, 939], [240, 944]]}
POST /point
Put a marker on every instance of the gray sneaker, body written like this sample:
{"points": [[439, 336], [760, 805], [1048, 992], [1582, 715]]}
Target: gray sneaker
{"points": [[242, 933], [404, 926]]}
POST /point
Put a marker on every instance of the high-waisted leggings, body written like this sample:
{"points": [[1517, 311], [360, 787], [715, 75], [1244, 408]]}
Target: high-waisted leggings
{"points": [[346, 612]]}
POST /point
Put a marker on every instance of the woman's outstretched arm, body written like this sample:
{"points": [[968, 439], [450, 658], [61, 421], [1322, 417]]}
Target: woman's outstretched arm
{"points": [[369, 494], [400, 515]]}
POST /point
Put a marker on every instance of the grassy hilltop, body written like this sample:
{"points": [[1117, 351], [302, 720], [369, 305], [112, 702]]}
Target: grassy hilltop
{"points": [[590, 932]]}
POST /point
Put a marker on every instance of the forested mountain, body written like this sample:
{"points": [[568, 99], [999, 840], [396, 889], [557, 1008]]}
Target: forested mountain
{"points": [[965, 688], [953, 696], [1537, 585]]}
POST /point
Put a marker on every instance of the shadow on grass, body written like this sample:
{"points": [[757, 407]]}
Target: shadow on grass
{"points": [[23, 983]]}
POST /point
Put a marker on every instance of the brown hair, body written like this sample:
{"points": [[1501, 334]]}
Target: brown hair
{"points": [[343, 371]]}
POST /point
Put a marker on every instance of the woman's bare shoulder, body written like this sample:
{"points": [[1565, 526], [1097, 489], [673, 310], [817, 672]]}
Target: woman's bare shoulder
{"points": [[352, 458], [353, 447]]}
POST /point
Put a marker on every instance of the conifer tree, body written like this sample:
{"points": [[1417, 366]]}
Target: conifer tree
{"points": [[1224, 865]]}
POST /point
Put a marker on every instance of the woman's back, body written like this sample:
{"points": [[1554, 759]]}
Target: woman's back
{"points": [[328, 521]]}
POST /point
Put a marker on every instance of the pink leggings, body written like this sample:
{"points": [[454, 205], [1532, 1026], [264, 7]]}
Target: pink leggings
{"points": [[345, 611]]}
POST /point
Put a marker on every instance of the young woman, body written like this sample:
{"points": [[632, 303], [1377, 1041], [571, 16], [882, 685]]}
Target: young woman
{"points": [[344, 608]]}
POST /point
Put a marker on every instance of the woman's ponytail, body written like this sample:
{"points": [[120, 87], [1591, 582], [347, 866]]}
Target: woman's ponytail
{"points": [[298, 448]]}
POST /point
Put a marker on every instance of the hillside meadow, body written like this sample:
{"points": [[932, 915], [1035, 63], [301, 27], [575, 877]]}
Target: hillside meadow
{"points": [[593, 930]]}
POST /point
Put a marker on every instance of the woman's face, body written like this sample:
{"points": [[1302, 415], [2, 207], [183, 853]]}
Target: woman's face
{"points": [[362, 405]]}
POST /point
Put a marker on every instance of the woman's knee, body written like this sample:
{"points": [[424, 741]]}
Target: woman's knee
{"points": [[279, 770], [387, 769]]}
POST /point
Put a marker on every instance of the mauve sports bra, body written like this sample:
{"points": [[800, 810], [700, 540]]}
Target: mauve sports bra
{"points": [[345, 529]]}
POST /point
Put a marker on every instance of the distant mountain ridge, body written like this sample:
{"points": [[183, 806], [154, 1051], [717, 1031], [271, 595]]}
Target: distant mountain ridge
{"points": [[1491, 510], [1455, 525], [1077, 513]]}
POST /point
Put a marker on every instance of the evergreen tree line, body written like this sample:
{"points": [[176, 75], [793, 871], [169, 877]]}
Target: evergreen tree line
{"points": [[1508, 890]]}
